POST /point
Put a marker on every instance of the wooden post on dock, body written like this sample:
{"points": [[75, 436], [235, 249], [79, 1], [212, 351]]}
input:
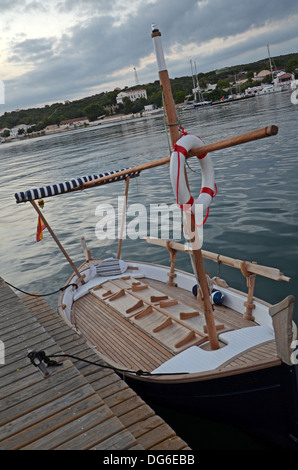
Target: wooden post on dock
{"points": [[174, 133]]}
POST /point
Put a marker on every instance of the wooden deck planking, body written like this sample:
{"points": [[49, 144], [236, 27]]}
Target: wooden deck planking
{"points": [[266, 352], [64, 410], [229, 317], [134, 348], [103, 336], [159, 352], [137, 355]]}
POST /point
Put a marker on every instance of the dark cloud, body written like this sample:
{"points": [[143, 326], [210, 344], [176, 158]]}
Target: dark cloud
{"points": [[21, 6], [88, 54], [32, 50], [7, 5], [86, 6]]}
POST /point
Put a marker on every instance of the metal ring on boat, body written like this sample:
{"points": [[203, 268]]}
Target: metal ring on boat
{"points": [[177, 174]]}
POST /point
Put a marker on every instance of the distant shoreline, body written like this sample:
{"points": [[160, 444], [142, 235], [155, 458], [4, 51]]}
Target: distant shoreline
{"points": [[118, 118]]}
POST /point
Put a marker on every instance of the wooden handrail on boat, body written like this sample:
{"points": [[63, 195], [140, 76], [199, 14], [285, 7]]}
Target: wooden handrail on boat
{"points": [[265, 271], [271, 273], [248, 269]]}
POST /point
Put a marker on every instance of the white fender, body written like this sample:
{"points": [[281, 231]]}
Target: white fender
{"points": [[177, 174]]}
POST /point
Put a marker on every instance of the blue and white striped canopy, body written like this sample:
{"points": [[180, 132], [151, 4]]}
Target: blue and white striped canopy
{"points": [[71, 185]]}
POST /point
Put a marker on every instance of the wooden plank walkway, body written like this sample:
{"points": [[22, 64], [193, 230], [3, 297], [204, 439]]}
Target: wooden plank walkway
{"points": [[78, 406]]}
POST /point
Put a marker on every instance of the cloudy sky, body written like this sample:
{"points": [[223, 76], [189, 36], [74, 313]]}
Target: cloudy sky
{"points": [[69, 49]]}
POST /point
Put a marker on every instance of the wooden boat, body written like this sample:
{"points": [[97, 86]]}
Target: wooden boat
{"points": [[233, 360]]}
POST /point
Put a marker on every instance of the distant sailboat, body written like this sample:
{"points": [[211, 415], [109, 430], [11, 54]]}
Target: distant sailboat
{"points": [[199, 100], [280, 80]]}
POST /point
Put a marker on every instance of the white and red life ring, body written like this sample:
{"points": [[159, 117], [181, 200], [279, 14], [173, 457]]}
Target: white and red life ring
{"points": [[177, 174]]}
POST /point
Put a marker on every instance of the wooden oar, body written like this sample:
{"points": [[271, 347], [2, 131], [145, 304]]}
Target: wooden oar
{"points": [[229, 142]]}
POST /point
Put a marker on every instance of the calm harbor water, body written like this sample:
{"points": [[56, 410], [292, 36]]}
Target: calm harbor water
{"points": [[254, 216]]}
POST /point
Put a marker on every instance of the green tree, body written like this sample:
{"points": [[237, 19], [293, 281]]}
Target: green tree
{"points": [[179, 96], [223, 84], [139, 105], [203, 83], [93, 111], [156, 98], [292, 64], [128, 106], [267, 79]]}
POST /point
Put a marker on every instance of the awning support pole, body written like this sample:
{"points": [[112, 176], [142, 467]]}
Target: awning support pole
{"points": [[123, 217], [39, 212]]}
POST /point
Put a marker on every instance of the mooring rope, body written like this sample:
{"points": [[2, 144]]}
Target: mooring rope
{"points": [[39, 357], [42, 295]]}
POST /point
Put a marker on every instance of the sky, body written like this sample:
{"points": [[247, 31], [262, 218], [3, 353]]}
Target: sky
{"points": [[69, 49]]}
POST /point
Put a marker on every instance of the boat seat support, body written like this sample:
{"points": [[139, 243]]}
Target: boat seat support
{"points": [[173, 255], [250, 282]]}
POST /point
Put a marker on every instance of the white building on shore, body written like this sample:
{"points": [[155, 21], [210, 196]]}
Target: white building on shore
{"points": [[76, 122], [132, 95], [19, 130]]}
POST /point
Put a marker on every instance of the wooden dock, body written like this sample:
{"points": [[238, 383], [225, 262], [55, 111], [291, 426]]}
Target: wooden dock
{"points": [[78, 406]]}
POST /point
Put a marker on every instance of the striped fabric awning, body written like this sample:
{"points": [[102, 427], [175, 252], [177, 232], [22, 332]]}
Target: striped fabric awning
{"points": [[68, 186]]}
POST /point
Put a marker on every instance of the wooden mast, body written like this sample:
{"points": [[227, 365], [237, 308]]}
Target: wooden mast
{"points": [[169, 104], [174, 133]]}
